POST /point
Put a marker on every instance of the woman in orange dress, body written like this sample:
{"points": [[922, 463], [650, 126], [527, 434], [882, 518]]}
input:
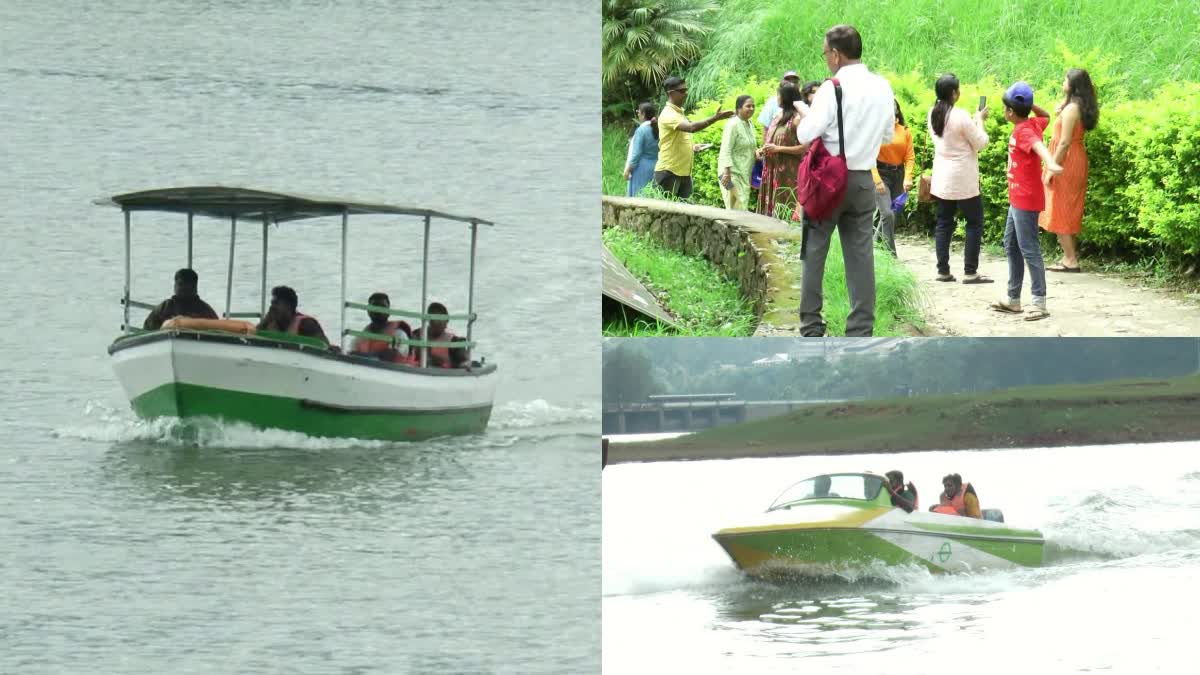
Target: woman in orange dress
{"points": [[1063, 216]]}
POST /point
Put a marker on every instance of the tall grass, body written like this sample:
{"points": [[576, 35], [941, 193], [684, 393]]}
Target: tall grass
{"points": [[613, 150], [897, 295], [1005, 39], [696, 293]]}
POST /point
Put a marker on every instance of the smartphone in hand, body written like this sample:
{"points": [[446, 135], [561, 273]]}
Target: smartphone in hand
{"points": [[982, 102]]}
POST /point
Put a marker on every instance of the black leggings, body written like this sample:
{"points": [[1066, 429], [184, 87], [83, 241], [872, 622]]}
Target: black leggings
{"points": [[972, 210]]}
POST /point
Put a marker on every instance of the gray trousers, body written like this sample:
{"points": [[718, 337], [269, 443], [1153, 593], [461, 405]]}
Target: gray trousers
{"points": [[853, 220]]}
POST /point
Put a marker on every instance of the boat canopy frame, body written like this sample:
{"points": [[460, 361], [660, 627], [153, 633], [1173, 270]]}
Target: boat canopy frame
{"points": [[271, 207]]}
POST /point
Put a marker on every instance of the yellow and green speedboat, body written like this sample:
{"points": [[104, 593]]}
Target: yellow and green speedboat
{"points": [[835, 522]]}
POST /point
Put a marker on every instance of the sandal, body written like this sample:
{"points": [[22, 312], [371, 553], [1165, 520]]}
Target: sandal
{"points": [[1004, 307], [1036, 313], [1059, 267], [977, 279], [946, 277]]}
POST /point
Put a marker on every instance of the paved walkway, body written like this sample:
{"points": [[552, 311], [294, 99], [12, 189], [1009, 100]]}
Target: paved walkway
{"points": [[1085, 304]]}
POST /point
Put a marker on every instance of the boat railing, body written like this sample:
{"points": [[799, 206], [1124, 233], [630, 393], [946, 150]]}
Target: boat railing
{"points": [[395, 340]]}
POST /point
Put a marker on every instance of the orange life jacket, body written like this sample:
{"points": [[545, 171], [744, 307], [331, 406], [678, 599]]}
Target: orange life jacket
{"points": [[954, 506], [370, 346], [442, 353]]}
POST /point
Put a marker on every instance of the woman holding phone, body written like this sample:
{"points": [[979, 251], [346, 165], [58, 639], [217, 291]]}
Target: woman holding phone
{"points": [[957, 139], [781, 155], [739, 147], [1077, 113]]}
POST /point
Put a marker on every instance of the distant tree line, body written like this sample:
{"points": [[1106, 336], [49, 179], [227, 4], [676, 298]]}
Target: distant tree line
{"points": [[634, 369]]}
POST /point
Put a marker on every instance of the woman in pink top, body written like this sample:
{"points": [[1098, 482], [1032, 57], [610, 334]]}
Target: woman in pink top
{"points": [[957, 139]]}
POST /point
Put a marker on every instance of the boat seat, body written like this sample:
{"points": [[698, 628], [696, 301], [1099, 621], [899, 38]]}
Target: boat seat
{"points": [[993, 514]]}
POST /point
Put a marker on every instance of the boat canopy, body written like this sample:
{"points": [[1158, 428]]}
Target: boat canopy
{"points": [[250, 204], [246, 204]]}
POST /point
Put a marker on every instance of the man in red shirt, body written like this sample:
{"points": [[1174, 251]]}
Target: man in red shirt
{"points": [[1026, 199]]}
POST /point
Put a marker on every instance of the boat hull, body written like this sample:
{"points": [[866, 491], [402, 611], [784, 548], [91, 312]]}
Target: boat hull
{"points": [[274, 385], [858, 538]]}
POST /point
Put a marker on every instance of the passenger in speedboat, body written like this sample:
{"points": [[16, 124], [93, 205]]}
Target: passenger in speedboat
{"points": [[956, 500], [283, 316], [903, 496], [821, 485], [380, 325], [185, 302], [440, 357]]}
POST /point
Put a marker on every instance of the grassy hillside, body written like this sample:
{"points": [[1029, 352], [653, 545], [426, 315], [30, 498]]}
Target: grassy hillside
{"points": [[1153, 42], [1109, 412]]}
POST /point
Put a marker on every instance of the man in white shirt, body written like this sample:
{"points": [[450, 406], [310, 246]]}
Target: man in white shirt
{"points": [[771, 106], [868, 119]]}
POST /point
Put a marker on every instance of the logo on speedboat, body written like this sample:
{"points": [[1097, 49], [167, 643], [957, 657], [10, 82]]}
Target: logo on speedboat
{"points": [[944, 552]]}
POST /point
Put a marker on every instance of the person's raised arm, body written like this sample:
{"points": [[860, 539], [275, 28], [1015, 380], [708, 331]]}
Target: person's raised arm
{"points": [[693, 127], [1040, 111], [821, 114]]}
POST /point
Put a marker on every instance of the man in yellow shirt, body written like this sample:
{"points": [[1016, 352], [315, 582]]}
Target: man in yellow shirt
{"points": [[673, 172]]}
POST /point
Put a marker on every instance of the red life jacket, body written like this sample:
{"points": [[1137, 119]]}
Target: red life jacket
{"points": [[294, 327]]}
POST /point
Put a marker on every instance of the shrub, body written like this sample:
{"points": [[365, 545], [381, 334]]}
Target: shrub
{"points": [[1143, 197]]}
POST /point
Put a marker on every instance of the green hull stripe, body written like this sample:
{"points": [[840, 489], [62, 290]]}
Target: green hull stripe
{"points": [[988, 532], [278, 412], [855, 547]]}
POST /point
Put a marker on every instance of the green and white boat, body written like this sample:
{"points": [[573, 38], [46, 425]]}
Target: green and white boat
{"points": [[837, 522], [274, 380]]}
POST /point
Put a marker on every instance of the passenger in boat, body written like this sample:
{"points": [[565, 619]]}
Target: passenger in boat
{"points": [[903, 496], [379, 324], [440, 357], [957, 500], [283, 316], [821, 485], [185, 302]]}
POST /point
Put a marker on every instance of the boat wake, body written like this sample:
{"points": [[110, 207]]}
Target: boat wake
{"points": [[511, 423]]}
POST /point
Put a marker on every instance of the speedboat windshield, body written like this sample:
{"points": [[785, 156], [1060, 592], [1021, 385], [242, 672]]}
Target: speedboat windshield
{"points": [[860, 486]]}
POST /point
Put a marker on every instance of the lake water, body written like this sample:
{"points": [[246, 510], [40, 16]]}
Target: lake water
{"points": [[1122, 570], [131, 547]]}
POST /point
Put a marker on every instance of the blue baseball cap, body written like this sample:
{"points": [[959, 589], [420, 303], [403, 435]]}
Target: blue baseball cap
{"points": [[1019, 95]]}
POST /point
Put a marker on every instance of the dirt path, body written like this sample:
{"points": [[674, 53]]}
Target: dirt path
{"points": [[1086, 304]]}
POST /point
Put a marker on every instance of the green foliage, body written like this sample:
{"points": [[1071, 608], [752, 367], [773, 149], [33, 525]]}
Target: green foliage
{"points": [[695, 292], [945, 366], [1006, 40], [613, 151], [644, 41], [627, 373], [1143, 197]]}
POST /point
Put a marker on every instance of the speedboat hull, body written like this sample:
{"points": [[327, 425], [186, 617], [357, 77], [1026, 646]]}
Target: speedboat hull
{"points": [[830, 536], [271, 384]]}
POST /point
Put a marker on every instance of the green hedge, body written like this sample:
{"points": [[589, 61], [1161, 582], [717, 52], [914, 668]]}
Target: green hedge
{"points": [[1143, 197]]}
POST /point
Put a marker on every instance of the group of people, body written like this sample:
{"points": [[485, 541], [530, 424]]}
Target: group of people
{"points": [[283, 316], [1046, 184], [956, 499]]}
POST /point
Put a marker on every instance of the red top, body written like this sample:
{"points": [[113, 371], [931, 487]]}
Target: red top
{"points": [[1025, 190]]}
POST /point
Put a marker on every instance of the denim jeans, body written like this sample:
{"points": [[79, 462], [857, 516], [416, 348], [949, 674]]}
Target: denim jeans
{"points": [[972, 210], [1023, 249]]}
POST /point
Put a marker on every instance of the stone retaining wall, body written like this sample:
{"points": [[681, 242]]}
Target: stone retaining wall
{"points": [[753, 250]]}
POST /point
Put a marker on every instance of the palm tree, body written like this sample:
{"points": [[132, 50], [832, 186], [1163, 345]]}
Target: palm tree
{"points": [[643, 41]]}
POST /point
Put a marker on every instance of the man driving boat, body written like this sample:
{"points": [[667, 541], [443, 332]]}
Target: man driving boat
{"points": [[185, 302]]}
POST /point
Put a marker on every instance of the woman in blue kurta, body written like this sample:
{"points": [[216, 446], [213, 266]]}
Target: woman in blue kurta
{"points": [[643, 150]]}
